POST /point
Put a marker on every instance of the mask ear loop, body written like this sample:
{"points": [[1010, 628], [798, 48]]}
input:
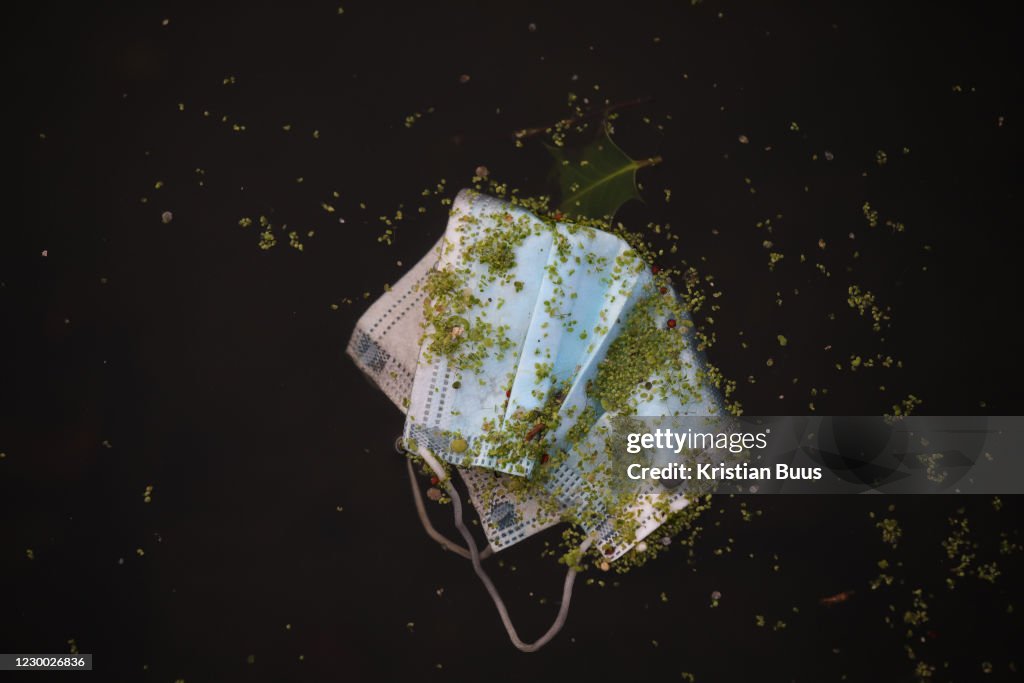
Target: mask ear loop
{"points": [[421, 509], [429, 527], [475, 556]]}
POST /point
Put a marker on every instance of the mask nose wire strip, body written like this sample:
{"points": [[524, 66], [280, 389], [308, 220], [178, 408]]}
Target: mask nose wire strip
{"points": [[475, 556], [429, 528]]}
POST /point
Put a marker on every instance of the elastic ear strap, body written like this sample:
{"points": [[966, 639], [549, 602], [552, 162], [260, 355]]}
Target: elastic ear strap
{"points": [[429, 528], [475, 557]]}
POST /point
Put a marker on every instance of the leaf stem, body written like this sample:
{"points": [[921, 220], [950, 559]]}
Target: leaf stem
{"points": [[652, 161]]}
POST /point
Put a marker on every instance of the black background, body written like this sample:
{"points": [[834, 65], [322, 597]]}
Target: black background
{"points": [[182, 356]]}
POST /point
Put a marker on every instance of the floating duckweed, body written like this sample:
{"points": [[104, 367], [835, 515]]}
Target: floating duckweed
{"points": [[891, 531], [267, 239], [865, 304], [870, 215]]}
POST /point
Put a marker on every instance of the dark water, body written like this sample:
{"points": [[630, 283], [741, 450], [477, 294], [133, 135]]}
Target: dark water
{"points": [[184, 357]]}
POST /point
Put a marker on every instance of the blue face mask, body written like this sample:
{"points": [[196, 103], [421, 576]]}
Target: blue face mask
{"points": [[515, 348]]}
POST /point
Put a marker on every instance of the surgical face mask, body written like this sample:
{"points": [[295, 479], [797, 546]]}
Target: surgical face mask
{"points": [[515, 348]]}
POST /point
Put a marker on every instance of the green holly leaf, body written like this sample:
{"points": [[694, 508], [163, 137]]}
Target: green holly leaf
{"points": [[597, 179]]}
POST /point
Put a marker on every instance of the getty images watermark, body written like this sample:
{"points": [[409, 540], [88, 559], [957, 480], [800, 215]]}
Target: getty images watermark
{"points": [[837, 454], [707, 443]]}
